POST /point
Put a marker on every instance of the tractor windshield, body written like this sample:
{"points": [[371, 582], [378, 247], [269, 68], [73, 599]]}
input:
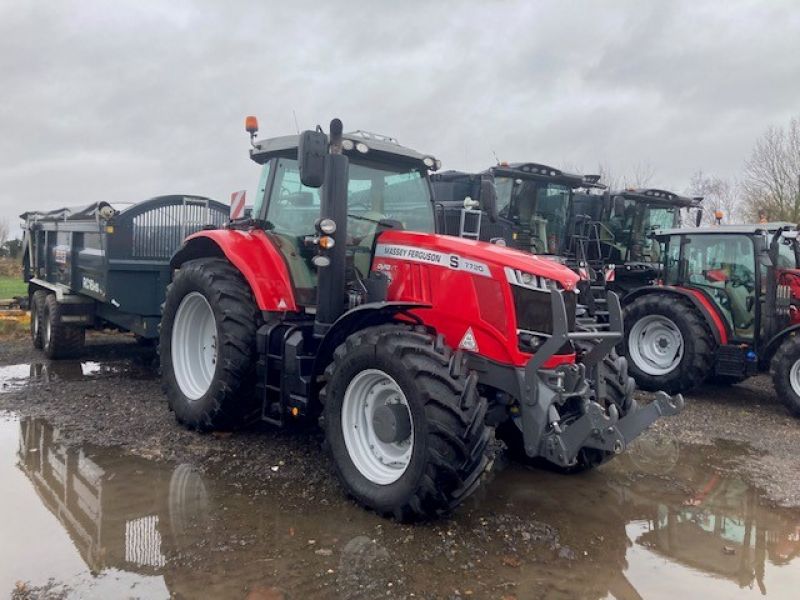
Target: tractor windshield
{"points": [[376, 192], [539, 208], [632, 222]]}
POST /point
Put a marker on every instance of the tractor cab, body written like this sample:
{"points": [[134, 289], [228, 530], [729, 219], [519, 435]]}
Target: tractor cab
{"points": [[633, 215], [387, 188], [739, 270], [532, 208], [623, 235]]}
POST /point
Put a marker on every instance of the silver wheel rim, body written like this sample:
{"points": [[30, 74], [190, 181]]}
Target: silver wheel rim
{"points": [[655, 345], [380, 462], [35, 320], [794, 377], [194, 345]]}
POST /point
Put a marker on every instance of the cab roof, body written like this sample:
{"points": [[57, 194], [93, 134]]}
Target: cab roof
{"points": [[380, 147], [746, 228], [656, 195], [529, 170]]}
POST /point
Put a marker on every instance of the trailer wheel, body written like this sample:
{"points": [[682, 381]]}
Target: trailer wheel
{"points": [[59, 340], [785, 371], [208, 346], [37, 318], [404, 422], [668, 343]]}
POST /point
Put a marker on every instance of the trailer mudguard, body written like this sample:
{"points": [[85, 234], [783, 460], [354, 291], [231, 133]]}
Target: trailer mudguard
{"points": [[256, 258], [719, 326]]}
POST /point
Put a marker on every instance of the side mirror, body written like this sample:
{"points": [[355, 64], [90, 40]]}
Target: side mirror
{"points": [[698, 217], [311, 151], [489, 197]]}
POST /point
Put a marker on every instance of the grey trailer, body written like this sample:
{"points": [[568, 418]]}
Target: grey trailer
{"points": [[102, 266]]}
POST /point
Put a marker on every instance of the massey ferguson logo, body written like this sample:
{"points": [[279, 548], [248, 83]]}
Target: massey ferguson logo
{"points": [[431, 257]]}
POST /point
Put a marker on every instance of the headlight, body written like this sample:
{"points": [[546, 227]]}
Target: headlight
{"points": [[529, 280]]}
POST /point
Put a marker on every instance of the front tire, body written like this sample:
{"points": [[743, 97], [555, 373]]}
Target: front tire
{"points": [[785, 371], [208, 346], [431, 455], [668, 343]]}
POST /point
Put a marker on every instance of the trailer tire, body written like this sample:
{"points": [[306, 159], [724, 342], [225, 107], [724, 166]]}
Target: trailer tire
{"points": [[674, 321], [37, 318], [220, 396], [59, 340], [785, 371], [443, 430]]}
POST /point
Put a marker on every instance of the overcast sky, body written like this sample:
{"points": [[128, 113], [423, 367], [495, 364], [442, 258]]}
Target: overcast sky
{"points": [[127, 100]]}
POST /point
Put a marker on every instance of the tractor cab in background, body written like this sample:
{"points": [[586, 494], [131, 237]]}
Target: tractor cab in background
{"points": [[622, 234], [532, 209]]}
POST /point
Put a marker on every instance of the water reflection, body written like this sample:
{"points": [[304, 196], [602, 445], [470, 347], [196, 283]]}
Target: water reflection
{"points": [[15, 377], [597, 536]]}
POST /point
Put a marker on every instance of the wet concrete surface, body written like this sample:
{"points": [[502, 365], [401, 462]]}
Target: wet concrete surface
{"points": [[105, 497]]}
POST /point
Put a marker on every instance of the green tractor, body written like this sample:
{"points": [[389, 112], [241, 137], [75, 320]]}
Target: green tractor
{"points": [[619, 233]]}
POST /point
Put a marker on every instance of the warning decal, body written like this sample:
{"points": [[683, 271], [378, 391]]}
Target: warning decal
{"points": [[432, 257]]}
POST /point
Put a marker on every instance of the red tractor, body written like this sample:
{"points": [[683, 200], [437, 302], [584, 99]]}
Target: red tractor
{"points": [[337, 299], [726, 307]]}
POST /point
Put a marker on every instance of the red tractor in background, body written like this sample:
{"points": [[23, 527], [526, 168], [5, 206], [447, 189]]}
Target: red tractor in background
{"points": [[726, 307], [337, 299]]}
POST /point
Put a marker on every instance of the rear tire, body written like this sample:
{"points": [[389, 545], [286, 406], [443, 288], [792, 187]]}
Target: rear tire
{"points": [[785, 371], [37, 318], [446, 444], [668, 343], [59, 340], [208, 346]]}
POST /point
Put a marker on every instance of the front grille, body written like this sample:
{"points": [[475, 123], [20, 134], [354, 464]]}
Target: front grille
{"points": [[533, 313], [532, 309]]}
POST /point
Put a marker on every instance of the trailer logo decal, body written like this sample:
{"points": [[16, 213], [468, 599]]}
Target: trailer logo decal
{"points": [[432, 257], [90, 284]]}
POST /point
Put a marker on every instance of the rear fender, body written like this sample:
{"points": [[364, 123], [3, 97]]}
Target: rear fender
{"points": [[716, 321], [256, 258]]}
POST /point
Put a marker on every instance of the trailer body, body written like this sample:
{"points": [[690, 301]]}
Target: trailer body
{"points": [[109, 267]]}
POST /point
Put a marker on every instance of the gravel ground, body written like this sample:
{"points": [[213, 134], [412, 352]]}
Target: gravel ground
{"points": [[134, 416], [751, 414]]}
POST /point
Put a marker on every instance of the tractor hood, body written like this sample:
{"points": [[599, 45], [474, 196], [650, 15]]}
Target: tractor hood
{"points": [[468, 255]]}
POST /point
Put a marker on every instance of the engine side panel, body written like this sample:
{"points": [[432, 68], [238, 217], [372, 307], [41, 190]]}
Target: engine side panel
{"points": [[470, 298]]}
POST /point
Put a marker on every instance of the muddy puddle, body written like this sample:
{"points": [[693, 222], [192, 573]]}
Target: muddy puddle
{"points": [[15, 377], [665, 522]]}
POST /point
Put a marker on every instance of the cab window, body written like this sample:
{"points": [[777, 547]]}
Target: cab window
{"points": [[375, 193], [724, 266]]}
